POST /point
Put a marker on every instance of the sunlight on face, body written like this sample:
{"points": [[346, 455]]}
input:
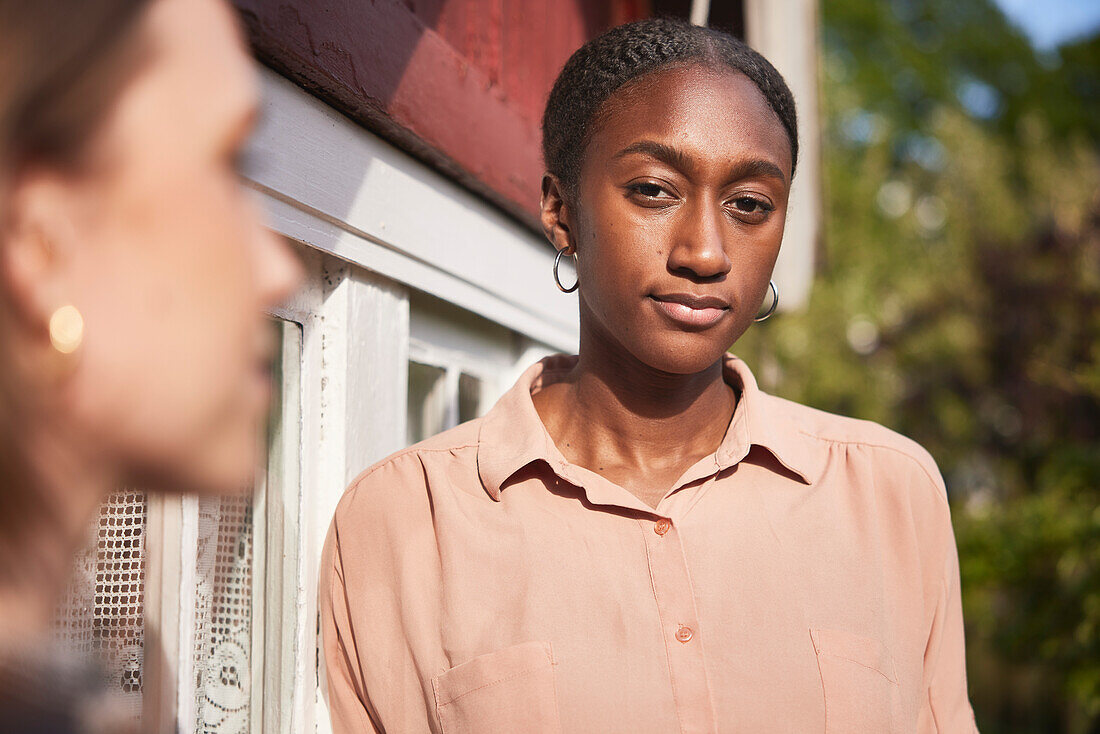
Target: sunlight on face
{"points": [[681, 205], [175, 268]]}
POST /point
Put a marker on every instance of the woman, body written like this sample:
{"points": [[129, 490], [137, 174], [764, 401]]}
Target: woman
{"points": [[636, 538], [134, 274]]}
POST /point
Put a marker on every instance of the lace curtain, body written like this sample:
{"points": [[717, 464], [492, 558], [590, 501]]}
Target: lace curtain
{"points": [[222, 653], [102, 613]]}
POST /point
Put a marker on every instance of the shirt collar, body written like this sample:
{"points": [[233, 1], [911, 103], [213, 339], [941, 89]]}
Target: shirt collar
{"points": [[764, 420], [512, 435]]}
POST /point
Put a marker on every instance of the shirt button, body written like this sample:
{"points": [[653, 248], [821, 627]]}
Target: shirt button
{"points": [[684, 634], [661, 526]]}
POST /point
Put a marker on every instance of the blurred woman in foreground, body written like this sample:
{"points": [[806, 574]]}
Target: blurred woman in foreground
{"points": [[134, 274]]}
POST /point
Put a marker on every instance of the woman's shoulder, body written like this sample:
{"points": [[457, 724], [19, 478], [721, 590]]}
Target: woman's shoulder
{"points": [[891, 451], [390, 509], [877, 468], [404, 476]]}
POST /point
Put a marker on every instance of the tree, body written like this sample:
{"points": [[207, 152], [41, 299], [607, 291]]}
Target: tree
{"points": [[958, 301]]}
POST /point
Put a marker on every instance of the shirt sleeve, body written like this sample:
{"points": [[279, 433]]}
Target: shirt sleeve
{"points": [[945, 656], [349, 706]]}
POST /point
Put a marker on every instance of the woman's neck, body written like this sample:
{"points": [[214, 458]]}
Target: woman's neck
{"points": [[45, 528], [635, 425]]}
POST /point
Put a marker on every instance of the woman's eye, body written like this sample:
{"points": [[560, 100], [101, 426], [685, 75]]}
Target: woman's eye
{"points": [[750, 209], [651, 190]]}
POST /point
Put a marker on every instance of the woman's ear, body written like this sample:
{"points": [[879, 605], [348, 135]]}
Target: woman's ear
{"points": [[556, 215], [37, 235]]}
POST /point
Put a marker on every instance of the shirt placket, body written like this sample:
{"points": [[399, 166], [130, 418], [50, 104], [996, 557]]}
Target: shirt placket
{"points": [[679, 625]]}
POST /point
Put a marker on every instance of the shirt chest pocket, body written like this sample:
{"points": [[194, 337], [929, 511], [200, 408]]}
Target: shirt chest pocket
{"points": [[862, 693], [510, 690]]}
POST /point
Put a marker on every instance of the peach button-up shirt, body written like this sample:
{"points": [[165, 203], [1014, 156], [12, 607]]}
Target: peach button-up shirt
{"points": [[803, 578]]}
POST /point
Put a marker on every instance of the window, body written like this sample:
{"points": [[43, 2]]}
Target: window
{"points": [[206, 609], [440, 398], [459, 363], [221, 653], [219, 544], [428, 402]]}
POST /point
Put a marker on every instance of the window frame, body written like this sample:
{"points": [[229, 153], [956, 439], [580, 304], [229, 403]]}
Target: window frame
{"points": [[171, 563], [366, 277]]}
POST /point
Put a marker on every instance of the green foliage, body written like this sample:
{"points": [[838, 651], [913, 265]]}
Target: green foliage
{"points": [[958, 301], [1032, 598]]}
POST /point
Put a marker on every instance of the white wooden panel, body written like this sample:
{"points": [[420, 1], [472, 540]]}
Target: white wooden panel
{"points": [[469, 342], [308, 506], [276, 537], [354, 382], [377, 370], [188, 579], [785, 32], [333, 185], [160, 671], [316, 503]]}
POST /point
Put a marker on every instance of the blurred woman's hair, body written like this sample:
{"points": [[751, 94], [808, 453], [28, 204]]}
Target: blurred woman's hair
{"points": [[62, 66]]}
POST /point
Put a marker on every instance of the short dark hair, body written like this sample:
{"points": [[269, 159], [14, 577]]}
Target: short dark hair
{"points": [[608, 62]]}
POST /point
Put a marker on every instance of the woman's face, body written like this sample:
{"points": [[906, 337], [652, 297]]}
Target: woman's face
{"points": [[678, 216], [164, 255]]}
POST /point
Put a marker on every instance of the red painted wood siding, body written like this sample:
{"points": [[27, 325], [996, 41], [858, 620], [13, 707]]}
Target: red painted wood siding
{"points": [[459, 83]]}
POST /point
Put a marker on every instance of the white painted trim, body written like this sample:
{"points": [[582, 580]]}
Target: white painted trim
{"points": [[455, 361], [331, 184], [316, 493], [162, 612], [700, 12], [277, 522], [258, 627], [259, 661], [785, 32], [354, 379], [186, 714]]}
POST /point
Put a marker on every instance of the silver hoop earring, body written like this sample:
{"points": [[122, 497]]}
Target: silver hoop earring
{"points": [[557, 280], [775, 302]]}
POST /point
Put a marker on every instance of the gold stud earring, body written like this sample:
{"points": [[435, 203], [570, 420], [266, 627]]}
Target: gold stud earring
{"points": [[66, 329]]}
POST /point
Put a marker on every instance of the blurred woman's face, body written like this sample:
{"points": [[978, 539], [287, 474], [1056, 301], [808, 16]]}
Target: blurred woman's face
{"points": [[172, 268], [680, 209]]}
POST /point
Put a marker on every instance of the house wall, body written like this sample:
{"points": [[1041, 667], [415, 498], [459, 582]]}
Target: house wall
{"points": [[459, 84], [786, 33]]}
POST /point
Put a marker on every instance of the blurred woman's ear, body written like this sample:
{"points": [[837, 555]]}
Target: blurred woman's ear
{"points": [[38, 237], [556, 214]]}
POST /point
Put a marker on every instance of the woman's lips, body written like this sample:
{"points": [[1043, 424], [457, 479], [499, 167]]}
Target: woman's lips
{"points": [[691, 310]]}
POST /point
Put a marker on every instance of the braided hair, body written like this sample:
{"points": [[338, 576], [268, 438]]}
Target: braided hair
{"points": [[628, 52]]}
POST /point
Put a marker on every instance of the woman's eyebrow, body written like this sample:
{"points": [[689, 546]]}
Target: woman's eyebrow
{"points": [[682, 162], [664, 153], [756, 167]]}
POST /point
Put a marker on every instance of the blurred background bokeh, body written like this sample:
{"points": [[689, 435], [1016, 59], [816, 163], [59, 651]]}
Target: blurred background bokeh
{"points": [[957, 300]]}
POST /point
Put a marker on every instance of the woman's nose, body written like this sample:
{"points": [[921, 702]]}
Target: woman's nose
{"points": [[699, 248], [279, 270]]}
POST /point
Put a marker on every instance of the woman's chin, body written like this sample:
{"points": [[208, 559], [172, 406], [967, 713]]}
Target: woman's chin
{"points": [[682, 356], [221, 472]]}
